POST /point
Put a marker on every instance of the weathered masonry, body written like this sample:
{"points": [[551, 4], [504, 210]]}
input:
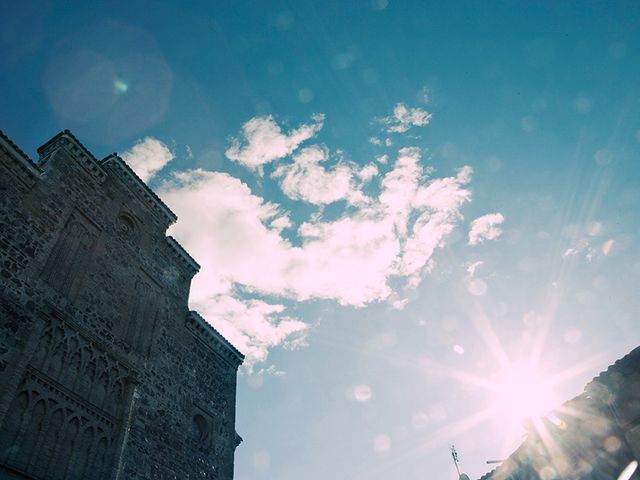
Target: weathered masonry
{"points": [[104, 372]]}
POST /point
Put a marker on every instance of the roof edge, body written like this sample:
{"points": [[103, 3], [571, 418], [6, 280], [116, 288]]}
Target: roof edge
{"points": [[67, 133], [77, 150], [29, 165], [183, 254], [215, 339], [148, 194], [590, 393], [619, 364]]}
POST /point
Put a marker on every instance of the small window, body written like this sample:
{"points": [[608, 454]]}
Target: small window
{"points": [[126, 224], [200, 428]]}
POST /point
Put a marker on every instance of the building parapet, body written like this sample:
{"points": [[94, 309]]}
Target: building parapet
{"points": [[213, 339], [140, 187], [183, 255], [28, 166], [67, 140], [621, 366]]}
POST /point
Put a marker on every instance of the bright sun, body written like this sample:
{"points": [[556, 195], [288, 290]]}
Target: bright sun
{"points": [[521, 394]]}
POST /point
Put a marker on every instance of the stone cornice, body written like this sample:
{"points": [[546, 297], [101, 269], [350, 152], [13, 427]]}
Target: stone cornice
{"points": [[629, 363], [140, 187], [28, 166], [213, 339], [67, 140], [183, 255]]}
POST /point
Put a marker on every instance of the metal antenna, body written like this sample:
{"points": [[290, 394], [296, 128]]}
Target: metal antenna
{"points": [[454, 455]]}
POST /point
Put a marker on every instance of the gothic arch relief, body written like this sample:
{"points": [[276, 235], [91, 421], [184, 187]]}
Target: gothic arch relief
{"points": [[49, 435], [71, 254], [70, 359], [141, 321]]}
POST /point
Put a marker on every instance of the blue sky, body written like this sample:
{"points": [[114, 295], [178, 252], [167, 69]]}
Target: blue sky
{"points": [[328, 160]]}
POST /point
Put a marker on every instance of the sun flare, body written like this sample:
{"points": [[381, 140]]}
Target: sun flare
{"points": [[523, 394]]}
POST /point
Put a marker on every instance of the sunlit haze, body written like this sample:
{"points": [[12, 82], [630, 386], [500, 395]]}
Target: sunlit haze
{"points": [[521, 394], [418, 220]]}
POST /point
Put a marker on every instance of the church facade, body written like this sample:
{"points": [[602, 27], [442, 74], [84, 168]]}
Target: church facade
{"points": [[104, 371]]}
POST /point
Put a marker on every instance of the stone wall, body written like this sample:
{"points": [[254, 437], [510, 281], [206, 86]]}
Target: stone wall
{"points": [[104, 372]]}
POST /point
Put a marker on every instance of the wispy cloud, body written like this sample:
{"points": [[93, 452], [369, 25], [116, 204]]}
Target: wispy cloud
{"points": [[403, 118], [473, 266], [590, 249], [486, 227], [263, 141], [438, 204], [147, 157], [254, 326]]}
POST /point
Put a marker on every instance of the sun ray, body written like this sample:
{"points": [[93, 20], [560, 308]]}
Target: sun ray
{"points": [[483, 326], [430, 366], [575, 370], [440, 437]]}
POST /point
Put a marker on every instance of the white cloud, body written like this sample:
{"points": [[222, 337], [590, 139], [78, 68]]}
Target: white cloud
{"points": [[253, 326], [147, 157], [263, 141], [438, 203], [446, 194], [373, 251], [400, 303], [306, 179], [486, 227], [399, 187], [368, 172], [224, 226], [404, 118], [348, 260], [281, 223]]}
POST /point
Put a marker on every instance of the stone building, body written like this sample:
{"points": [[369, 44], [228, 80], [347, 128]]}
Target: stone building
{"points": [[594, 436], [104, 372]]}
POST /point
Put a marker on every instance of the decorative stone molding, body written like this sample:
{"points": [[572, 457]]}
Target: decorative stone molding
{"points": [[136, 184], [182, 255], [210, 337], [28, 171], [76, 150], [68, 315]]}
